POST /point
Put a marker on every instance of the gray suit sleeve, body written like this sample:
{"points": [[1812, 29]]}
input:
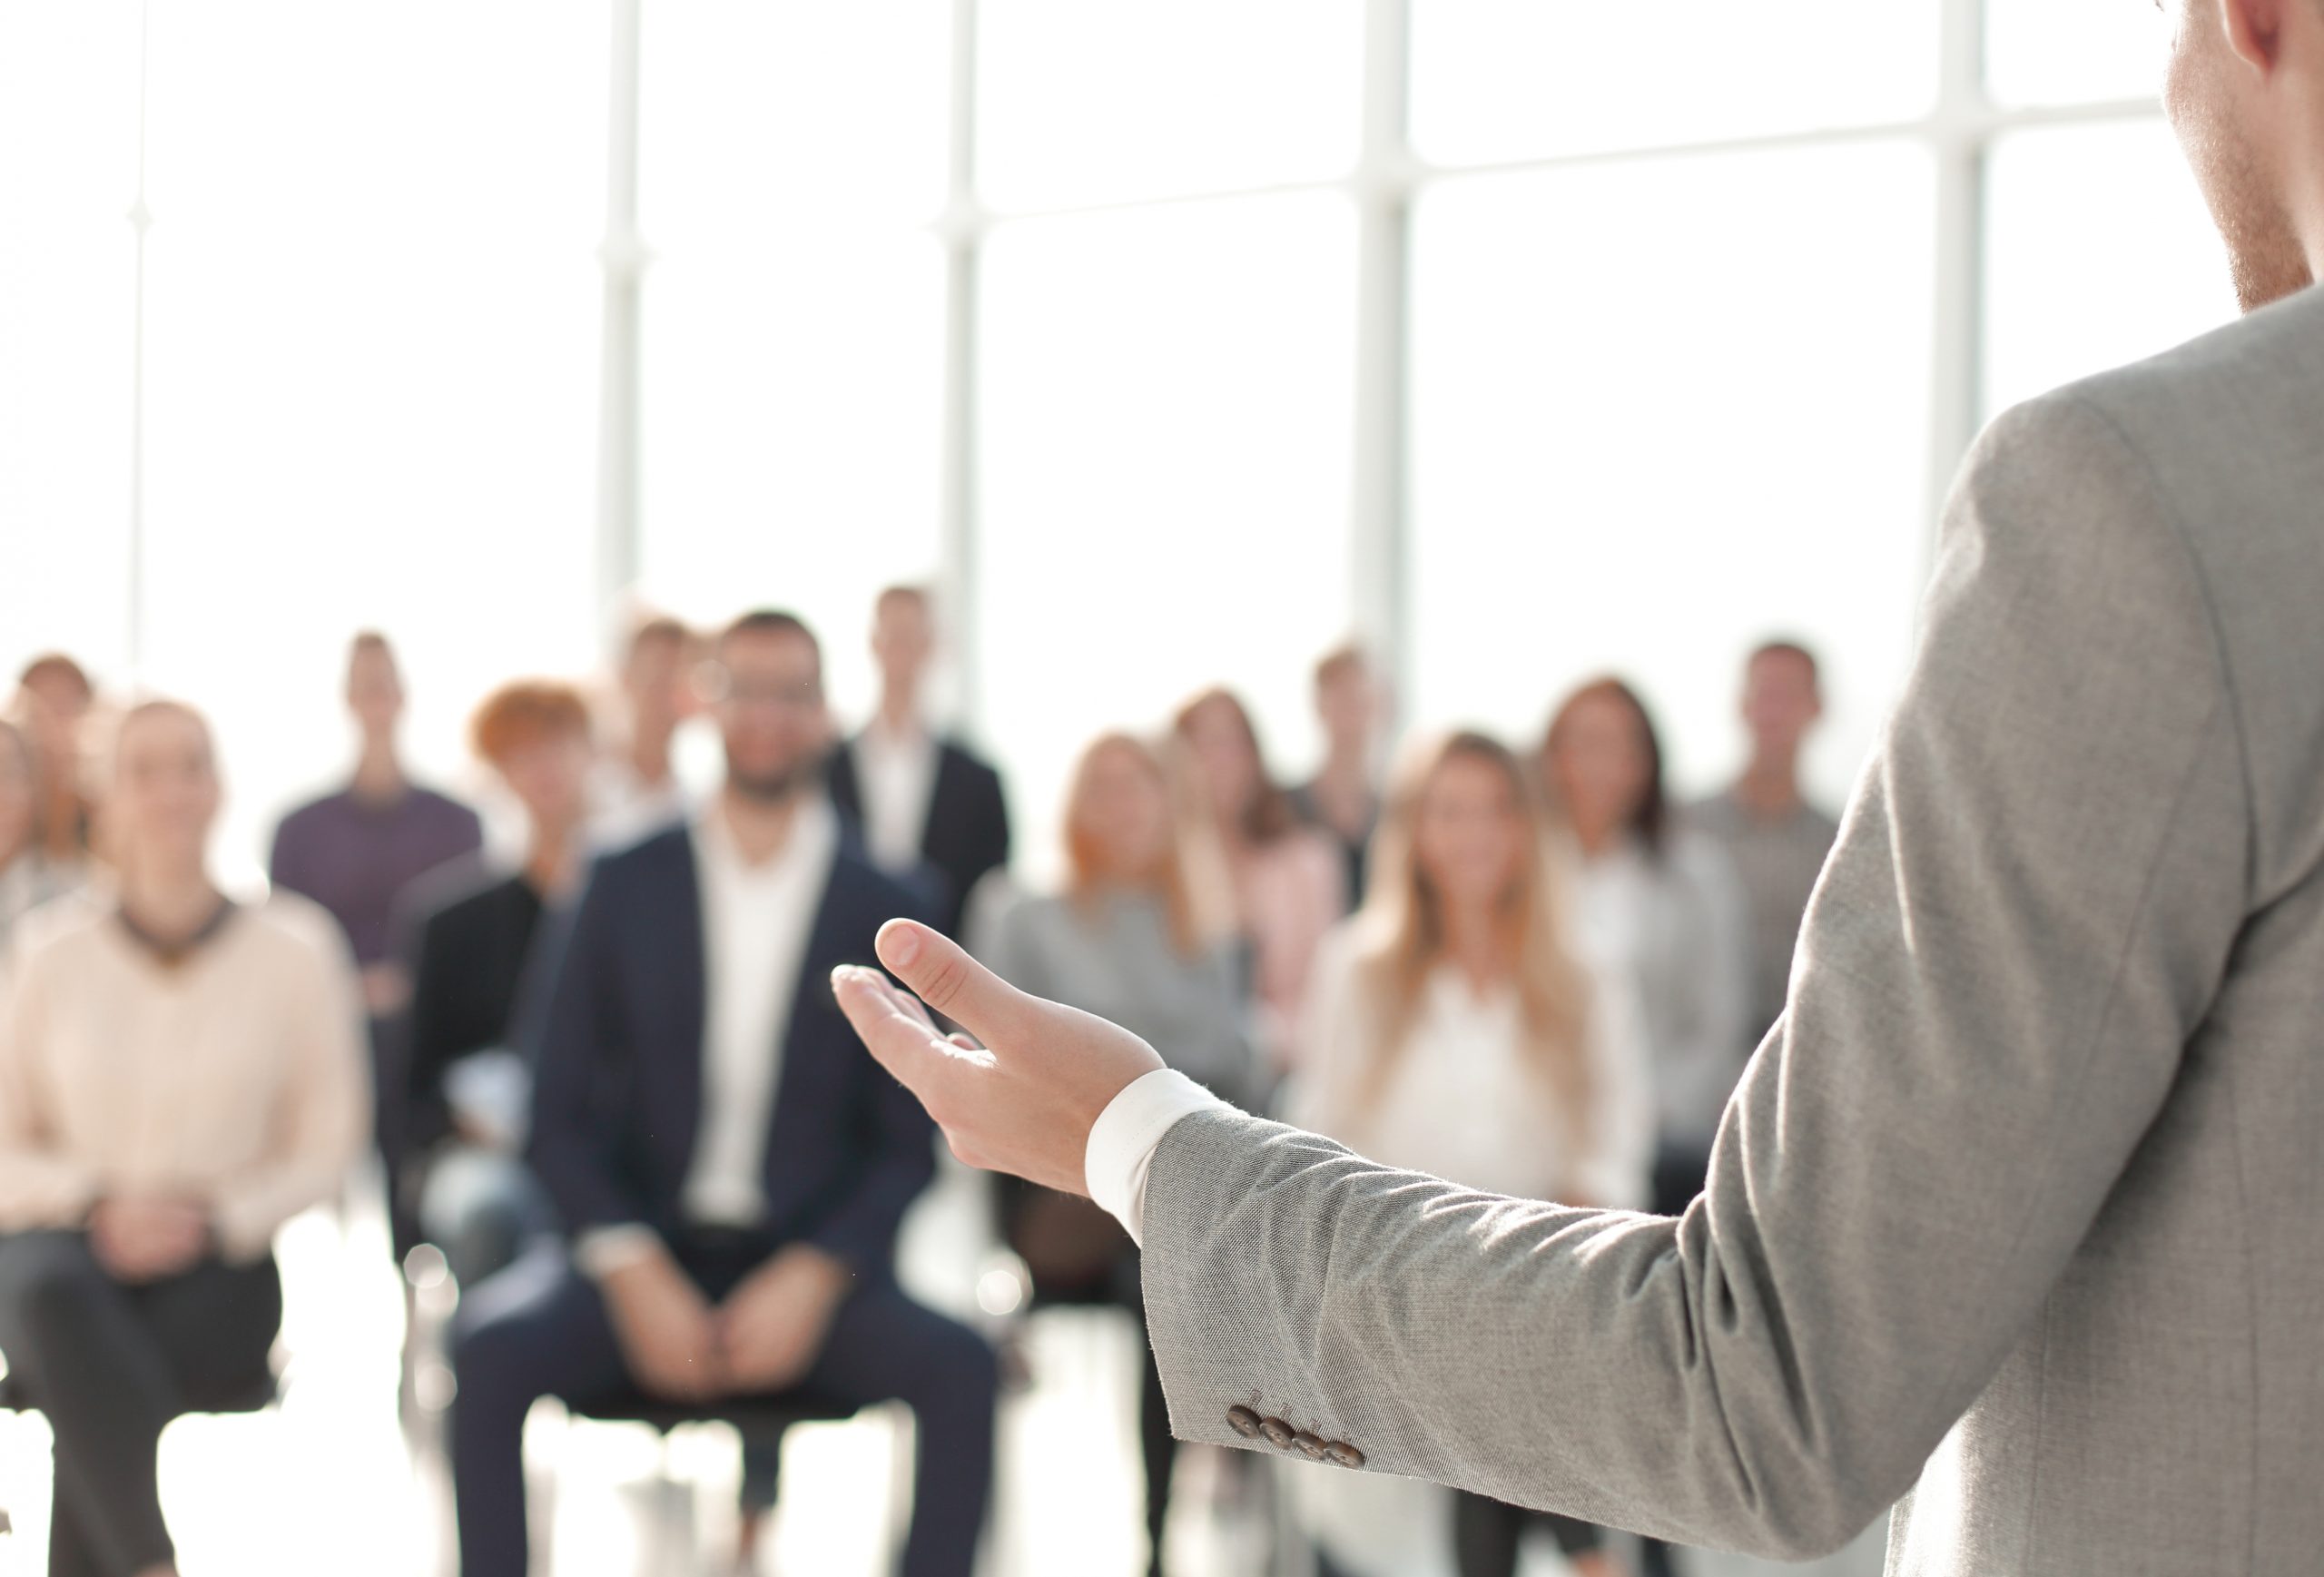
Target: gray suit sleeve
{"points": [[2030, 906]]}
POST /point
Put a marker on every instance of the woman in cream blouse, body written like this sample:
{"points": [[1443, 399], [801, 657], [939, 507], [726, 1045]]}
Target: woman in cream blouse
{"points": [[179, 1076], [1453, 1030]]}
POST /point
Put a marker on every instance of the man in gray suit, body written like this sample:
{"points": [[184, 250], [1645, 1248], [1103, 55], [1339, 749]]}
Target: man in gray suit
{"points": [[2019, 1212]]}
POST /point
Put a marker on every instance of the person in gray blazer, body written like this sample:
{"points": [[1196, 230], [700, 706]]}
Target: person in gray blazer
{"points": [[2016, 1214]]}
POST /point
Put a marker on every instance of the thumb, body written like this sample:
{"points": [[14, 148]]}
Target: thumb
{"points": [[941, 974]]}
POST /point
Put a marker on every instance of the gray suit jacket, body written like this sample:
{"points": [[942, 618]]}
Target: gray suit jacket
{"points": [[2019, 1212]]}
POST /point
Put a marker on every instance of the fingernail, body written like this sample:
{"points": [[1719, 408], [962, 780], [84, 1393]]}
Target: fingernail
{"points": [[846, 974], [903, 945]]}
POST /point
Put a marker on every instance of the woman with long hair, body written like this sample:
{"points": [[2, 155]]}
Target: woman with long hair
{"points": [[179, 1074], [1660, 902], [1138, 936], [1286, 879], [1455, 1031]]}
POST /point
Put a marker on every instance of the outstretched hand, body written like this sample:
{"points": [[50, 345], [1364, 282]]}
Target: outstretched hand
{"points": [[1020, 1090]]}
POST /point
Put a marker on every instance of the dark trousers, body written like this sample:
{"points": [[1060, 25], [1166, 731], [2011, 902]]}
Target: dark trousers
{"points": [[1487, 1531], [111, 1365], [1680, 1171], [540, 1329], [1157, 1447]]}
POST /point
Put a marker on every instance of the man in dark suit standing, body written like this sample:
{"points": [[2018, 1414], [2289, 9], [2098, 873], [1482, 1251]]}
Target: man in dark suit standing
{"points": [[730, 1168], [925, 803]]}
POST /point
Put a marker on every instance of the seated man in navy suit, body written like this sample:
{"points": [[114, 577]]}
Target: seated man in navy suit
{"points": [[730, 1165]]}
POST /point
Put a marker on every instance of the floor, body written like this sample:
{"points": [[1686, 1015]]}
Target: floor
{"points": [[331, 1481]]}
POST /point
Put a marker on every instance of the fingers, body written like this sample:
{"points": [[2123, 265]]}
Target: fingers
{"points": [[902, 1042], [948, 981]]}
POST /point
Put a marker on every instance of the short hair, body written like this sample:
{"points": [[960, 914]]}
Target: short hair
{"points": [[903, 592], [159, 707], [767, 621], [372, 643], [655, 628], [1340, 661], [1783, 647], [56, 666], [527, 712]]}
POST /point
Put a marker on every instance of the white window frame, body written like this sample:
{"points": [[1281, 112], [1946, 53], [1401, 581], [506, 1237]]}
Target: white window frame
{"points": [[1960, 130]]}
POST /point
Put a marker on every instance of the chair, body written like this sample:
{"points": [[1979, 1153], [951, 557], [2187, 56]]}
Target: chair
{"points": [[17, 1397], [755, 1417]]}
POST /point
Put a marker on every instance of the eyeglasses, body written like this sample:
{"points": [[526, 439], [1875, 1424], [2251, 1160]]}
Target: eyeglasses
{"points": [[722, 689]]}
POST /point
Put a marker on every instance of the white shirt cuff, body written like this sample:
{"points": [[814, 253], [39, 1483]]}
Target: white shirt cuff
{"points": [[602, 1250], [1123, 1139]]}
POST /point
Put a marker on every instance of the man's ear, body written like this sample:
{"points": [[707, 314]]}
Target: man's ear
{"points": [[2254, 30]]}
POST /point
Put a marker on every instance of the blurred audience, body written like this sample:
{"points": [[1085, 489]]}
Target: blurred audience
{"points": [[29, 876], [638, 789], [1135, 938], [470, 933], [1454, 1031], [922, 800], [622, 1102], [1343, 798], [55, 699], [179, 1076], [1288, 881], [1777, 841], [731, 1165]]}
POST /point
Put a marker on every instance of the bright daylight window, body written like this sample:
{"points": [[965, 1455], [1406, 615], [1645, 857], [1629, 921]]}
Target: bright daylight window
{"points": [[1117, 319]]}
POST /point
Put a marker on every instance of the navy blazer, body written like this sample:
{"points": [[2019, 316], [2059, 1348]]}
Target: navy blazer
{"points": [[618, 1045], [967, 835]]}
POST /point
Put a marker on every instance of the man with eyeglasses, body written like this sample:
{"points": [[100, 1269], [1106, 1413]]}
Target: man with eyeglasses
{"points": [[2015, 1214], [731, 1169]]}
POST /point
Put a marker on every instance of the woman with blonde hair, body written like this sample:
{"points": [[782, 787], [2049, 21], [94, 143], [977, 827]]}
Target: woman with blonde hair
{"points": [[1453, 1030], [180, 1075], [1140, 935]]}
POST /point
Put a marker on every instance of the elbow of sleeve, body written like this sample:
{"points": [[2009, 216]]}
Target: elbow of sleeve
{"points": [[1796, 1533], [1815, 1508]]}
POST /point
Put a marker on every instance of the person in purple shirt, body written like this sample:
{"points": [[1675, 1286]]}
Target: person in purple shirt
{"points": [[354, 853]]}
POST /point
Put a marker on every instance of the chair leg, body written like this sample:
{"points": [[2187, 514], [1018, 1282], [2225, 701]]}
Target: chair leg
{"points": [[903, 1450]]}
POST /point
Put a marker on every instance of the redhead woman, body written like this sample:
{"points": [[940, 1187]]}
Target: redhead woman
{"points": [[1134, 937]]}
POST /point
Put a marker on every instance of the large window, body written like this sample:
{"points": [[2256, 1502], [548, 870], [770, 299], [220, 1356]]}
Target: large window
{"points": [[1508, 80], [1630, 455], [1082, 101], [791, 159], [68, 259], [2099, 251], [367, 398], [1173, 343], [1166, 395]]}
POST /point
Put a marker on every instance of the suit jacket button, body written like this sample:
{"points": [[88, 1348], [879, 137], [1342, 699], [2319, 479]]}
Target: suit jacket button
{"points": [[1277, 1432], [1310, 1445], [1347, 1455], [1243, 1422]]}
